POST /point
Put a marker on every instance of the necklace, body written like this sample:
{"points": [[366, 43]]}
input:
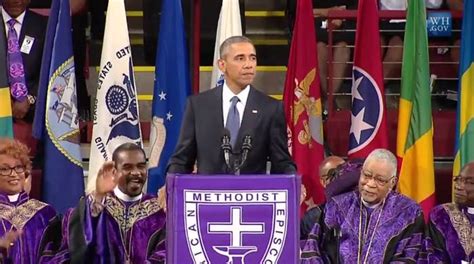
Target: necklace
{"points": [[361, 246]]}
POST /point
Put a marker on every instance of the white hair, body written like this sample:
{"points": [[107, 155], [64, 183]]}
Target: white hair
{"points": [[383, 154]]}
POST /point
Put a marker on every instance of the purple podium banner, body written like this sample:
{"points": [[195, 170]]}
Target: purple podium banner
{"points": [[233, 219]]}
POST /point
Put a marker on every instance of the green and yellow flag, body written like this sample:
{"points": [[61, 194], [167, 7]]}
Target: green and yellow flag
{"points": [[6, 123], [415, 127], [465, 114], [6, 126]]}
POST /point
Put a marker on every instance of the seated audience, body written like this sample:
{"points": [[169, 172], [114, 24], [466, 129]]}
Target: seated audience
{"points": [[393, 33], [373, 224], [451, 225], [343, 37], [117, 223], [28, 224]]}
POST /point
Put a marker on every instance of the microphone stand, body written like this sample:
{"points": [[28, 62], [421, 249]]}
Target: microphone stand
{"points": [[246, 147], [227, 148]]}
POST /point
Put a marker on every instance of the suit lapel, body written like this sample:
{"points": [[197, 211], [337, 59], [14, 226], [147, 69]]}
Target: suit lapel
{"points": [[250, 118], [217, 114], [24, 28]]}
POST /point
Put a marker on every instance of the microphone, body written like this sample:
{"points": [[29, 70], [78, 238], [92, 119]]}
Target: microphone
{"points": [[246, 147], [226, 147]]}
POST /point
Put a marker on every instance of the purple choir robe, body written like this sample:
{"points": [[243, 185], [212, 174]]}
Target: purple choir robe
{"points": [[450, 235], [124, 232], [37, 221], [395, 229]]}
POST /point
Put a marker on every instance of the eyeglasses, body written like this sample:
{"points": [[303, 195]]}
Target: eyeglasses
{"points": [[465, 180], [379, 181], [7, 171]]}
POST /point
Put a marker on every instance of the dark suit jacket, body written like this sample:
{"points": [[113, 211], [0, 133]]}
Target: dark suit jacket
{"points": [[202, 131], [34, 25]]}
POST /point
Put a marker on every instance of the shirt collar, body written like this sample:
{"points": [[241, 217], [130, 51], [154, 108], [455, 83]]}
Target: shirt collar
{"points": [[7, 17], [124, 197], [371, 206], [227, 94], [470, 210], [18, 198], [13, 198]]}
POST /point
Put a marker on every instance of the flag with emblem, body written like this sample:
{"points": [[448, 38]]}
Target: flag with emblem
{"points": [[116, 118], [229, 25], [368, 125], [465, 113], [56, 117], [302, 101], [6, 125], [415, 125], [172, 87]]}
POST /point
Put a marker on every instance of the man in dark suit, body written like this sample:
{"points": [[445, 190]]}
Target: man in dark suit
{"points": [[29, 30], [240, 108]]}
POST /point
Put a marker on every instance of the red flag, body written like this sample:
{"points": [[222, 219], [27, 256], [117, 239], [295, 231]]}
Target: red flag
{"points": [[302, 100], [368, 127]]}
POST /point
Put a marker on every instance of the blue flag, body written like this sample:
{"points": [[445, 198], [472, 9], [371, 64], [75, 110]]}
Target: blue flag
{"points": [[172, 87], [56, 120]]}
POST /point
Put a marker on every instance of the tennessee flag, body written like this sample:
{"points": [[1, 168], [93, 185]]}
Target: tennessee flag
{"points": [[302, 101], [368, 128], [465, 115], [415, 127]]}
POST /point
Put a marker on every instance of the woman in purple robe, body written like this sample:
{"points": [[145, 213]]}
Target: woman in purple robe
{"points": [[373, 224], [27, 225], [451, 227], [117, 223]]}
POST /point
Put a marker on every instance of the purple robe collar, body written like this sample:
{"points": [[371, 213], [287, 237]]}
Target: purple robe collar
{"points": [[22, 198], [461, 223]]}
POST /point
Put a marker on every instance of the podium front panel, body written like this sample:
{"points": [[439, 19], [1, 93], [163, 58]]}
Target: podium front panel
{"points": [[233, 218]]}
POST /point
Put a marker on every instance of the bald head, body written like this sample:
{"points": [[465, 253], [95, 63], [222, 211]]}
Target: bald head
{"points": [[468, 168], [326, 165]]}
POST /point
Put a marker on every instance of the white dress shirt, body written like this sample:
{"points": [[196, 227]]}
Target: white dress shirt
{"points": [[17, 26], [227, 95]]}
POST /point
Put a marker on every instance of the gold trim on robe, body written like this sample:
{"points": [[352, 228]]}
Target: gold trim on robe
{"points": [[462, 226], [136, 212], [18, 216]]}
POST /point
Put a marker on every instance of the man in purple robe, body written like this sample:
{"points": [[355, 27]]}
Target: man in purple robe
{"points": [[373, 224], [451, 227], [117, 223], [26, 224]]}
